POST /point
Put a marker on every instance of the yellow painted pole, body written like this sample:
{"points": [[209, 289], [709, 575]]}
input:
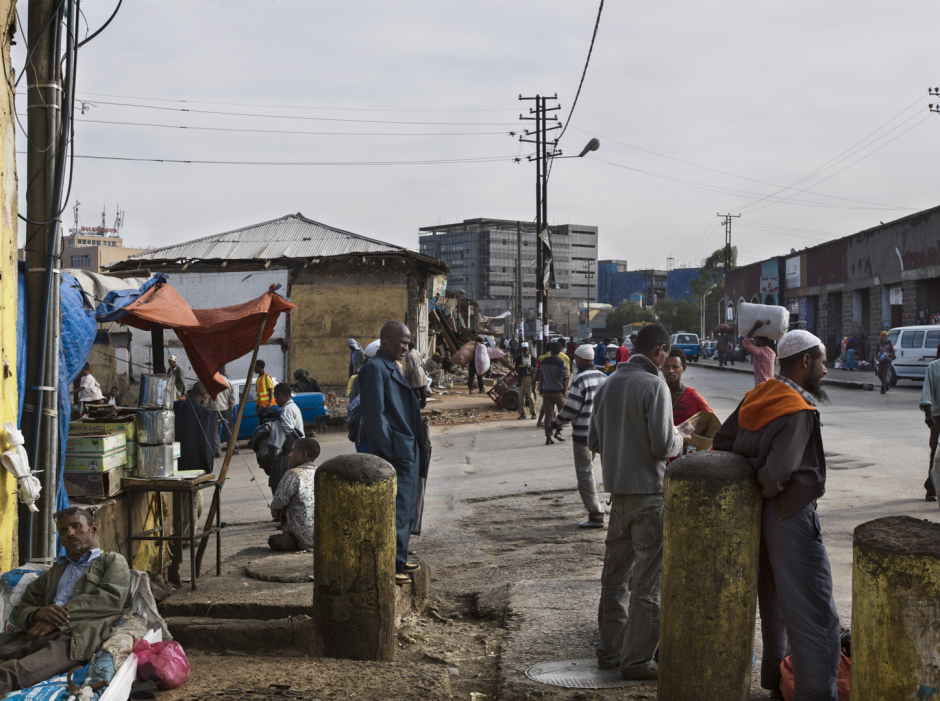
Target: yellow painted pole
{"points": [[896, 610], [711, 547], [354, 558]]}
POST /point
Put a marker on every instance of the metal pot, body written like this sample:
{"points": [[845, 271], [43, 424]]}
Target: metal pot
{"points": [[155, 392], [155, 426], [155, 461]]}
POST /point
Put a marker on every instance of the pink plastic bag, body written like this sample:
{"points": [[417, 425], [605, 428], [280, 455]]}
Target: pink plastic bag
{"points": [[164, 662]]}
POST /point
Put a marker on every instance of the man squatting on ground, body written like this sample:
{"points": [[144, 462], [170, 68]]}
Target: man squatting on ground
{"points": [[632, 429], [68, 611], [391, 420], [293, 502], [777, 428], [578, 410]]}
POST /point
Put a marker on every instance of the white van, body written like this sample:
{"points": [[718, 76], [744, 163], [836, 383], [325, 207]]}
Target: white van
{"points": [[915, 347]]}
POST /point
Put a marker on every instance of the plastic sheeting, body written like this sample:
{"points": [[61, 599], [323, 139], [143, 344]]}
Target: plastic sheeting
{"points": [[677, 282], [614, 288]]}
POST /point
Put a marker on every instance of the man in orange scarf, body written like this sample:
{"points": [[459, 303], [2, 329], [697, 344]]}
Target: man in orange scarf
{"points": [[777, 428]]}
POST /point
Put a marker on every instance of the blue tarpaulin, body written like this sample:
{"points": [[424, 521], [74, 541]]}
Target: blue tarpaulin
{"points": [[678, 280]]}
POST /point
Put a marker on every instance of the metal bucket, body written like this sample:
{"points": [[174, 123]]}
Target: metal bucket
{"points": [[155, 461], [155, 426], [155, 392]]}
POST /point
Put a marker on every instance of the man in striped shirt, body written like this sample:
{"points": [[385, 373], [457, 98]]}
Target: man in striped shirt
{"points": [[763, 354], [578, 410]]}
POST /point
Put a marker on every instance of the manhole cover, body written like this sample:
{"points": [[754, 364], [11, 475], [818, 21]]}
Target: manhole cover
{"points": [[582, 673]]}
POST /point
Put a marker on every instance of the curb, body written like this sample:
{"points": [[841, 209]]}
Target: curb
{"points": [[844, 384]]}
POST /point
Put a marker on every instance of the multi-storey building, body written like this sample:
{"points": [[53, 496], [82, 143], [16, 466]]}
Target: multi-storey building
{"points": [[482, 255]]}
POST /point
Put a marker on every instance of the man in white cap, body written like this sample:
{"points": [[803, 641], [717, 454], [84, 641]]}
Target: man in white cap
{"points": [[777, 428], [524, 371], [177, 379], [578, 410]]}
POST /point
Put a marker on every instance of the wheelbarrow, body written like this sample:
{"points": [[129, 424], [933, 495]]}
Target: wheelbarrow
{"points": [[506, 392]]}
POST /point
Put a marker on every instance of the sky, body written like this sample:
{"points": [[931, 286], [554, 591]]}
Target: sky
{"points": [[701, 108]]}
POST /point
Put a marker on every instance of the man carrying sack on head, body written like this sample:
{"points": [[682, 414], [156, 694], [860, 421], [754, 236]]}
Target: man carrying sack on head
{"points": [[777, 428]]}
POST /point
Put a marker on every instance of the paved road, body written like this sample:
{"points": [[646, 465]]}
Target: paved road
{"points": [[877, 446]]}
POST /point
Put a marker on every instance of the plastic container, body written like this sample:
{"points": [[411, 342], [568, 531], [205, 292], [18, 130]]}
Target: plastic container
{"points": [[776, 320]]}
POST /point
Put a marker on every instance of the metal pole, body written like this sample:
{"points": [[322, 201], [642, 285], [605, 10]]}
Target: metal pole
{"points": [[544, 147], [521, 308], [539, 279]]}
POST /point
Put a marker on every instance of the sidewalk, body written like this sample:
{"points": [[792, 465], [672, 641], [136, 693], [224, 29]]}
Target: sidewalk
{"points": [[846, 379]]}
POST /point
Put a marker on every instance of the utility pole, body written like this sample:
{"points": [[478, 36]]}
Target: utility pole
{"points": [[587, 310], [727, 223], [49, 109], [520, 319], [543, 240]]}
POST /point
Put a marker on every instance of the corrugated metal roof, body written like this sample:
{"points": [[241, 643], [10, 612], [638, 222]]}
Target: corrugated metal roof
{"points": [[292, 236]]}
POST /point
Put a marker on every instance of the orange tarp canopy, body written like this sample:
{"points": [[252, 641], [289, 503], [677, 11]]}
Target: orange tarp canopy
{"points": [[211, 337]]}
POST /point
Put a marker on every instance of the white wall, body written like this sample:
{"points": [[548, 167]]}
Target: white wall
{"points": [[203, 290]]}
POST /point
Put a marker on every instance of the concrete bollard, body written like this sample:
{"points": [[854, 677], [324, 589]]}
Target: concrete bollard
{"points": [[896, 610], [711, 548], [354, 558]]}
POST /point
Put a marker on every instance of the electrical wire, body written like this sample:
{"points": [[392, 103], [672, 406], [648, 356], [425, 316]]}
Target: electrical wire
{"points": [[484, 159], [100, 29], [29, 56], [302, 117], [293, 107]]}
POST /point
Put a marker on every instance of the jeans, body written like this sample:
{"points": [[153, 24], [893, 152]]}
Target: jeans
{"points": [[628, 613], [794, 592], [526, 394], [587, 487]]}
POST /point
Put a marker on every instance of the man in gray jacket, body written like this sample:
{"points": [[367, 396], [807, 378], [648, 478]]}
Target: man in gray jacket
{"points": [[633, 431]]}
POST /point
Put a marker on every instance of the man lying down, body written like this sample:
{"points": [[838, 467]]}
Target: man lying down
{"points": [[67, 612]]}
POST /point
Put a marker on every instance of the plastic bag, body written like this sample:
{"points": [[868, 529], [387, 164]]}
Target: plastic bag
{"points": [[482, 359], [163, 662], [842, 683]]}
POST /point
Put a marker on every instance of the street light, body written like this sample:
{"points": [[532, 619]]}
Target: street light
{"points": [[592, 145], [708, 292]]}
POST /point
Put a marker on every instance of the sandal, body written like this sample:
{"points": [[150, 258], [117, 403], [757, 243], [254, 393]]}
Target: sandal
{"points": [[401, 578]]}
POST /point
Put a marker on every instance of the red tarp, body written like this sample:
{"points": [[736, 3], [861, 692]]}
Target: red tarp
{"points": [[211, 337]]}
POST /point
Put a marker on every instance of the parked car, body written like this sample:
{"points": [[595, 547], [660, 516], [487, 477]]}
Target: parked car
{"points": [[311, 408], [688, 342], [914, 349]]}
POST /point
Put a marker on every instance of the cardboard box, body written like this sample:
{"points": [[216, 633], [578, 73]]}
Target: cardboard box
{"points": [[706, 425], [85, 462], [93, 484], [84, 428], [97, 444]]}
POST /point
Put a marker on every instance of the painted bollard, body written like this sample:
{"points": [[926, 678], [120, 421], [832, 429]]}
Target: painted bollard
{"points": [[354, 558], [896, 610], [711, 547]]}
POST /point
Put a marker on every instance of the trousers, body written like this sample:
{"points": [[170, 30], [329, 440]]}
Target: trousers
{"points": [[23, 663], [550, 402], [797, 611], [284, 541], [406, 501], [526, 395], [471, 373], [628, 613], [587, 487], [934, 436]]}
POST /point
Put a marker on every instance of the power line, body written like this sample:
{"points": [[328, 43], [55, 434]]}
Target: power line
{"points": [[290, 131], [295, 107], [101, 28], [483, 159]]}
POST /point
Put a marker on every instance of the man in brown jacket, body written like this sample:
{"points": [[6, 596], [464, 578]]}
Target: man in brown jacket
{"points": [[67, 612], [777, 428]]}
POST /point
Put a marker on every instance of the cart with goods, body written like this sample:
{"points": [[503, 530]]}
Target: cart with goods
{"points": [[506, 392]]}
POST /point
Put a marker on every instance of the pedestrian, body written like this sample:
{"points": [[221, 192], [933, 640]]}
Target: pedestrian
{"points": [[686, 402], [89, 391], [763, 354], [225, 405], [632, 429], [391, 419], [578, 410], [600, 354], [553, 386], [113, 396], [525, 372], [623, 354], [884, 354], [357, 357], [292, 423], [303, 382], [930, 405], [472, 366], [264, 386], [777, 428], [194, 425], [293, 502], [177, 379], [415, 374]]}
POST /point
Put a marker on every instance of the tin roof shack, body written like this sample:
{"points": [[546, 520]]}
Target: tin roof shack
{"points": [[345, 285], [857, 285]]}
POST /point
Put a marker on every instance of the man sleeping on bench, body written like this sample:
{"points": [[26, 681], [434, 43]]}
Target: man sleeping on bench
{"points": [[67, 612]]}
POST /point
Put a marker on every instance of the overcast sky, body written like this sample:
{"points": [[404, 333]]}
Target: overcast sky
{"points": [[766, 92]]}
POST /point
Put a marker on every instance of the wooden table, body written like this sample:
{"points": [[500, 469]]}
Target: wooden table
{"points": [[178, 488]]}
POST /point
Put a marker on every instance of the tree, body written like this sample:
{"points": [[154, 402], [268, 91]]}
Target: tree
{"points": [[679, 314], [712, 273], [626, 313]]}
